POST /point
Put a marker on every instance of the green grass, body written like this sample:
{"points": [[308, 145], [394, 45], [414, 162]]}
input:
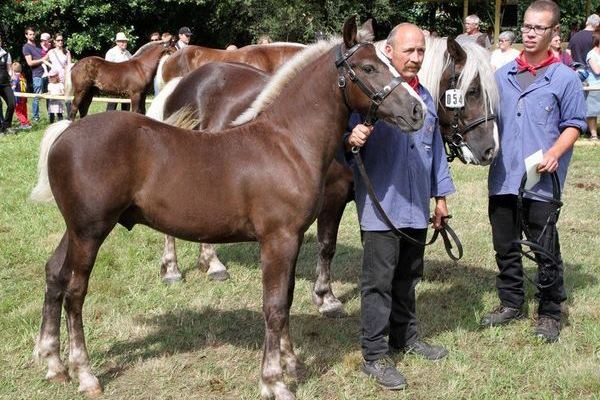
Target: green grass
{"points": [[203, 340]]}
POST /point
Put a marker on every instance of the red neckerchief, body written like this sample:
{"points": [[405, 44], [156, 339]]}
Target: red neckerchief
{"points": [[523, 65], [414, 83]]}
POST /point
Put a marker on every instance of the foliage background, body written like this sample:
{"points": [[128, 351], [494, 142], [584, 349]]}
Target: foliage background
{"points": [[90, 25]]}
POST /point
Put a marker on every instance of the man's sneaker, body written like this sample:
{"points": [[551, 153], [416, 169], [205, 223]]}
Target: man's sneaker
{"points": [[547, 329], [385, 373], [25, 126], [425, 350], [501, 316]]}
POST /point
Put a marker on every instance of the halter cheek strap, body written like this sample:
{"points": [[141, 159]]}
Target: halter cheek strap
{"points": [[376, 98]]}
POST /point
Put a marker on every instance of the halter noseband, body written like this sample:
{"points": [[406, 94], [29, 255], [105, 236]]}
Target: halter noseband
{"points": [[376, 98], [455, 143]]}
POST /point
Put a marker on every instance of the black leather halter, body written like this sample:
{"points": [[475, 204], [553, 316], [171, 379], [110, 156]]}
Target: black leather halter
{"points": [[456, 142], [377, 98]]}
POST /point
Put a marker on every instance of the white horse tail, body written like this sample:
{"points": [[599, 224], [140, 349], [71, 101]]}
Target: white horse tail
{"points": [[68, 81], [159, 82], [157, 107], [42, 193]]}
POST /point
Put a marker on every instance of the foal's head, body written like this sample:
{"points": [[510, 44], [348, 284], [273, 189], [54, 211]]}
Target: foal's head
{"points": [[469, 128], [372, 86]]}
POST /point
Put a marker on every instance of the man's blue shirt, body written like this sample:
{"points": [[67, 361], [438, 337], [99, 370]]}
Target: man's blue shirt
{"points": [[406, 169], [533, 119]]}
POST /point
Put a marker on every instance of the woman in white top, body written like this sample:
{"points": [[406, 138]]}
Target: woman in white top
{"points": [[593, 98], [505, 53], [59, 57]]}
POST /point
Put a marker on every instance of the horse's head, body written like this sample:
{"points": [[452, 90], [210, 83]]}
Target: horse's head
{"points": [[372, 86], [468, 126]]}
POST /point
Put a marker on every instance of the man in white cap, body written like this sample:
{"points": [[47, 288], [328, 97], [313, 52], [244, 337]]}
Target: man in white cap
{"points": [[184, 37], [118, 54]]}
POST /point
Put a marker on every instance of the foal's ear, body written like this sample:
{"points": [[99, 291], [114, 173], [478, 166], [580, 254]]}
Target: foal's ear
{"points": [[456, 51], [349, 32], [366, 33]]}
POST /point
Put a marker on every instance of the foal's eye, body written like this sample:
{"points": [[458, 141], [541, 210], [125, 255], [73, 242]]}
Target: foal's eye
{"points": [[473, 92], [368, 68]]}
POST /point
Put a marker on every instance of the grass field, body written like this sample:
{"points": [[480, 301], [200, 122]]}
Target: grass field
{"points": [[203, 340]]}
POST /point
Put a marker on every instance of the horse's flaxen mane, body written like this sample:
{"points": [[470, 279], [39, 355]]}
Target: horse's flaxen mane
{"points": [[283, 75], [477, 64], [145, 47], [288, 71]]}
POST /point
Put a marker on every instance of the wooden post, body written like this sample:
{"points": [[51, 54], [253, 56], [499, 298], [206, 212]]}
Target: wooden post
{"points": [[466, 9], [497, 22], [588, 6]]}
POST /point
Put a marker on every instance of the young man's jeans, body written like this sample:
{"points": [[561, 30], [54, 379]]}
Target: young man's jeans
{"points": [[38, 87]]}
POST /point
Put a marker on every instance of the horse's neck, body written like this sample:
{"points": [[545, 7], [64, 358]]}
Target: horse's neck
{"points": [[149, 61], [312, 108]]}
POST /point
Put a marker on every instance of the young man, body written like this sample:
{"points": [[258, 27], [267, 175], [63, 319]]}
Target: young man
{"points": [[117, 54], [541, 108], [406, 170], [184, 37], [472, 32], [35, 59]]}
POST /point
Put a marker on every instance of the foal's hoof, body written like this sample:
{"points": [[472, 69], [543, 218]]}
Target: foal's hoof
{"points": [[60, 377], [277, 391], [171, 279], [89, 385], [219, 275]]}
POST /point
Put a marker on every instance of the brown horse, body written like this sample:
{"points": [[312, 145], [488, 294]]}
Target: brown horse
{"points": [[130, 78], [266, 57], [109, 168], [218, 92]]}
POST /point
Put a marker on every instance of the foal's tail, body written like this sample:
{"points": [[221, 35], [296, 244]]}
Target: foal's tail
{"points": [[42, 193], [68, 81], [157, 107]]}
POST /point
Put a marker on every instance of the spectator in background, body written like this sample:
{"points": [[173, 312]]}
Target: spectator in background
{"points": [[166, 36], [581, 42], [593, 98], [505, 53], [184, 37], [118, 54], [472, 32], [556, 48], [5, 90], [60, 61], [574, 29], [19, 85], [231, 47], [154, 37], [264, 39], [35, 59], [55, 88]]}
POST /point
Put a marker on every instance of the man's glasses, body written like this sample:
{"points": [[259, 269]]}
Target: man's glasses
{"points": [[539, 30]]}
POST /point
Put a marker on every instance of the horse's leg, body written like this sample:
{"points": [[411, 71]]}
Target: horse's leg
{"points": [[78, 96], [169, 271], [209, 261], [48, 342], [136, 99], [278, 260], [328, 223], [81, 255], [84, 104], [142, 104]]}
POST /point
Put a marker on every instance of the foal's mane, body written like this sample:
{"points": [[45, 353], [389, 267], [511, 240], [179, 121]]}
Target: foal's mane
{"points": [[145, 47], [287, 72], [478, 63]]}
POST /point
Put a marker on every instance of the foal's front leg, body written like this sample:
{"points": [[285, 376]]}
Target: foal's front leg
{"points": [[209, 261], [278, 259], [169, 271]]}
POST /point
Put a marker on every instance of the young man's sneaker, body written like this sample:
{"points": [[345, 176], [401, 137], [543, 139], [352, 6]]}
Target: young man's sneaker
{"points": [[547, 329], [385, 373], [501, 316], [426, 350]]}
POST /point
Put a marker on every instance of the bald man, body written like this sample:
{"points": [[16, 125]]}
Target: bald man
{"points": [[407, 171]]}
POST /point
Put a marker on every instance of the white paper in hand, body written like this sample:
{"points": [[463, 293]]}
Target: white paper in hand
{"points": [[531, 164]]}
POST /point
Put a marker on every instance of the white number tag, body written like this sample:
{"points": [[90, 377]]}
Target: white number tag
{"points": [[455, 98]]}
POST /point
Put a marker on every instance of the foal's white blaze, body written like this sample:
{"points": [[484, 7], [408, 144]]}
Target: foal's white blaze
{"points": [[395, 74]]}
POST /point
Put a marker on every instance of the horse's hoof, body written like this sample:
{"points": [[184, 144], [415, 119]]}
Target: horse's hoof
{"points": [[60, 377], [171, 279], [219, 275], [92, 393], [89, 385], [333, 310], [278, 391]]}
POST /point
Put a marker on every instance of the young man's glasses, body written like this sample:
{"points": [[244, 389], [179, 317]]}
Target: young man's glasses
{"points": [[539, 30]]}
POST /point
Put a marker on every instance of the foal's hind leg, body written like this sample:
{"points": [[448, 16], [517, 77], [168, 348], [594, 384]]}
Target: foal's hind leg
{"points": [[209, 261], [169, 271], [48, 342], [278, 259], [81, 255]]}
